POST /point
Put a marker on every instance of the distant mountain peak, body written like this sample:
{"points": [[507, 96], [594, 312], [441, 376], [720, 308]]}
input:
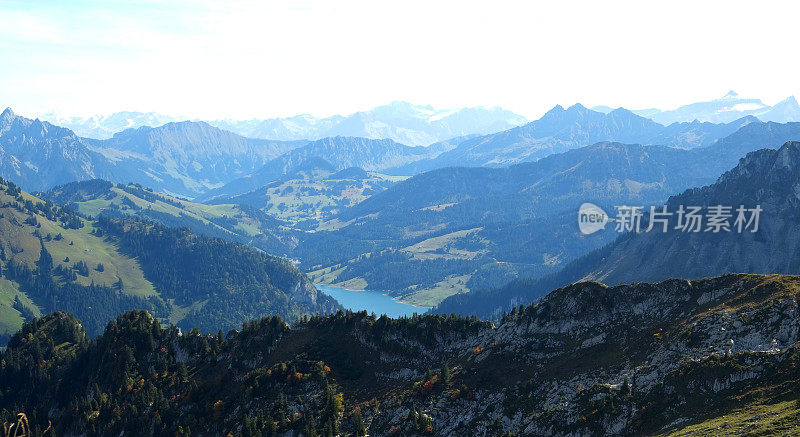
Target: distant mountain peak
{"points": [[623, 111], [787, 103], [789, 155], [402, 104], [747, 119], [726, 109], [577, 107], [7, 115], [555, 110]]}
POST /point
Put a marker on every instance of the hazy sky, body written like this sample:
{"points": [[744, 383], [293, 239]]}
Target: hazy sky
{"points": [[248, 59]]}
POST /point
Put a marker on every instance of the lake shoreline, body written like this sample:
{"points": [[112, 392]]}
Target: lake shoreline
{"points": [[372, 301], [376, 291]]}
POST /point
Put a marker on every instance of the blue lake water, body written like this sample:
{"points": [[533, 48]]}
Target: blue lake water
{"points": [[371, 301]]}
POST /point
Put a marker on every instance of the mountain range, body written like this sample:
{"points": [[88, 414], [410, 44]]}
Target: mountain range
{"points": [[402, 122], [458, 229], [557, 131], [726, 109], [197, 160], [38, 154], [766, 178], [185, 158], [562, 129]]}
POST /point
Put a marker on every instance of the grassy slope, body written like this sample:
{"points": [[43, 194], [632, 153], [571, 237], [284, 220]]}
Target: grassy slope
{"points": [[11, 319], [198, 211], [317, 198], [763, 418], [19, 243]]}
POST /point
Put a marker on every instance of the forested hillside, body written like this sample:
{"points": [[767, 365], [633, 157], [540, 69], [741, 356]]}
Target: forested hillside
{"points": [[212, 284], [675, 357], [53, 259]]}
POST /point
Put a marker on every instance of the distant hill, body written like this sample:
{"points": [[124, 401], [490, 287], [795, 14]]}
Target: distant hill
{"points": [[768, 178], [340, 152], [185, 158], [313, 192]]}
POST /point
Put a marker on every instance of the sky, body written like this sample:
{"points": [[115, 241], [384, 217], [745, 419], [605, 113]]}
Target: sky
{"points": [[258, 59]]}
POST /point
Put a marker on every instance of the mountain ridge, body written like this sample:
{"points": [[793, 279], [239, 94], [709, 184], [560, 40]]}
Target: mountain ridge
{"points": [[341, 152], [402, 122], [560, 130], [640, 359], [765, 177], [726, 109]]}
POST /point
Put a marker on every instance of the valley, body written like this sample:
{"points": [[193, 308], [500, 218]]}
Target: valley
{"points": [[399, 219], [448, 230], [466, 285]]}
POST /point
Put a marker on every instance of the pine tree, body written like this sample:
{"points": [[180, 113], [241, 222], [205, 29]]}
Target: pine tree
{"points": [[446, 375]]}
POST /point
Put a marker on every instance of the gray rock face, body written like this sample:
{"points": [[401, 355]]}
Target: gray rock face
{"points": [[564, 360], [38, 155]]}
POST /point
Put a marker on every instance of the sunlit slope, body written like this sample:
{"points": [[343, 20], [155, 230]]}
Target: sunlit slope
{"points": [[54, 259], [232, 222], [27, 224]]}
